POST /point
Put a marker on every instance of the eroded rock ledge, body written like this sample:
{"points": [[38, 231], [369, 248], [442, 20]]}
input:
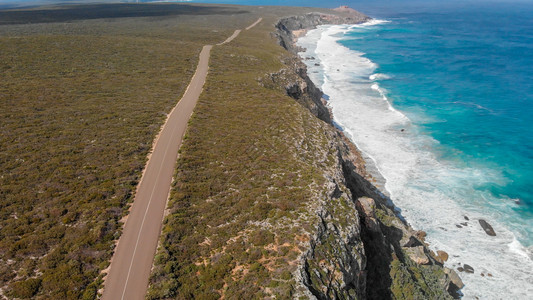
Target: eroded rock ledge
{"points": [[361, 249]]}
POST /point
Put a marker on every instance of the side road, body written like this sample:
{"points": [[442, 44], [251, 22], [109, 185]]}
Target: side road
{"points": [[132, 261]]}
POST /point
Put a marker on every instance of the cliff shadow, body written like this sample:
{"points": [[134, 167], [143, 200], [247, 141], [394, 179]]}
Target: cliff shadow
{"points": [[381, 243]]}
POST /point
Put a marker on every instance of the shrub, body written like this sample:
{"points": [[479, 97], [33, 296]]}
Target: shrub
{"points": [[25, 289]]}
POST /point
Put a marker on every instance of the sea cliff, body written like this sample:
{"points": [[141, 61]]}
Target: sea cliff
{"points": [[270, 200], [373, 253]]}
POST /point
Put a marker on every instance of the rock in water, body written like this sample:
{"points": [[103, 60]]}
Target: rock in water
{"points": [[486, 226], [442, 256], [454, 278], [421, 235], [468, 268]]}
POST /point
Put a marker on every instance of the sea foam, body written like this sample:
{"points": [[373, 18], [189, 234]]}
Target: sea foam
{"points": [[433, 195]]}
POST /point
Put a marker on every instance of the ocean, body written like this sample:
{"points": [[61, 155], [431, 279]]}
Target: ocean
{"points": [[441, 101], [439, 96]]}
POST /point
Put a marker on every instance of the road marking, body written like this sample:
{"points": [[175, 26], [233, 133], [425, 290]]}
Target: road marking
{"points": [[146, 212]]}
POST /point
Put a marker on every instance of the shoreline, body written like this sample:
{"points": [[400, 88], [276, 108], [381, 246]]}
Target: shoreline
{"points": [[460, 257], [366, 182]]}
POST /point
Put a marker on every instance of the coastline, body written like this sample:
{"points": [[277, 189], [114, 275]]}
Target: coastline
{"points": [[366, 182], [460, 256]]}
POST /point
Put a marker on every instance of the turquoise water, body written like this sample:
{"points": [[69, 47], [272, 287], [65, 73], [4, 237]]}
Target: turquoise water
{"points": [[440, 98], [466, 79]]}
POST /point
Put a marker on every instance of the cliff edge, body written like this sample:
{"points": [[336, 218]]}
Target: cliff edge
{"points": [[380, 256], [271, 201]]}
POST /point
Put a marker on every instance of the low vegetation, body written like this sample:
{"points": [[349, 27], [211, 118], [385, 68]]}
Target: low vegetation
{"points": [[82, 101], [81, 104], [251, 162]]}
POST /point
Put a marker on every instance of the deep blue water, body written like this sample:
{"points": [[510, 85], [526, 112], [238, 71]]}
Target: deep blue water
{"points": [[440, 98], [466, 77], [470, 73]]}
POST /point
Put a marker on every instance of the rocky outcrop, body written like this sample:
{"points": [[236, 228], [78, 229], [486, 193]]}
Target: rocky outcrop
{"points": [[487, 227], [333, 267], [286, 27], [362, 248], [295, 80], [296, 84]]}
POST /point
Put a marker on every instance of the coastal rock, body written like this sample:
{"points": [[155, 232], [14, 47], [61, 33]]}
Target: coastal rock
{"points": [[336, 243], [298, 86], [367, 206], [417, 255], [455, 283], [410, 241], [454, 278], [421, 235], [344, 8], [487, 227], [294, 24], [468, 268], [442, 256]]}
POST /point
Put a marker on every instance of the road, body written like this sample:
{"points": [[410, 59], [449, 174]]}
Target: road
{"points": [[255, 23], [234, 35], [131, 264], [130, 267]]}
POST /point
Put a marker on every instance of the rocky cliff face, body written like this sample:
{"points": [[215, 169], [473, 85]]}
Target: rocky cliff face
{"points": [[287, 26], [361, 248]]}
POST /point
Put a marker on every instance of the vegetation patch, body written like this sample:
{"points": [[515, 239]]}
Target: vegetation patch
{"points": [[81, 105], [249, 175]]}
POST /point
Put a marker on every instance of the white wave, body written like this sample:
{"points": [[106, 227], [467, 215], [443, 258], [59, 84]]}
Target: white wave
{"points": [[433, 195], [379, 76], [372, 22]]}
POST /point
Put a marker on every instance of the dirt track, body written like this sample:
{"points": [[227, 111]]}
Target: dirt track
{"points": [[131, 264]]}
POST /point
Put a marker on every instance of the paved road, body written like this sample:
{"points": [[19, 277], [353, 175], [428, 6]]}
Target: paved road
{"points": [[234, 35], [130, 267], [255, 23]]}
